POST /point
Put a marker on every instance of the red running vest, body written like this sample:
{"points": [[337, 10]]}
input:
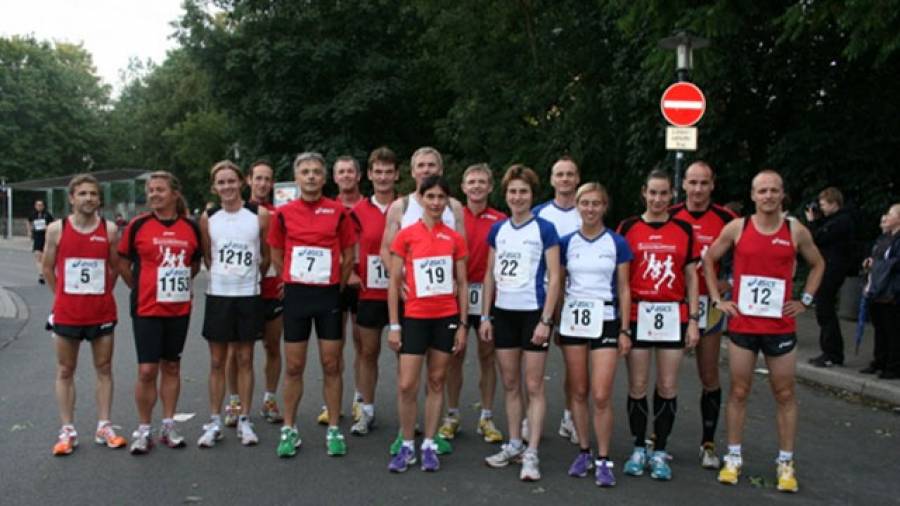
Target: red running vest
{"points": [[84, 253]]}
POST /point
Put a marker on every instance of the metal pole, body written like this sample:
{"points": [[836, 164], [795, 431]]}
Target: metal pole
{"points": [[9, 211], [681, 75]]}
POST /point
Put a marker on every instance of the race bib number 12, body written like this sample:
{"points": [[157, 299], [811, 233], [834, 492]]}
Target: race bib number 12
{"points": [[761, 296]]}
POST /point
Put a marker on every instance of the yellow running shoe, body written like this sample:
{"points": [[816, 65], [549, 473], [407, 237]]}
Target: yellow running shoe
{"points": [[450, 427], [490, 432], [322, 419], [731, 470], [787, 479]]}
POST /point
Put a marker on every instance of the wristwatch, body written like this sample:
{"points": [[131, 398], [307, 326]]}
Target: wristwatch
{"points": [[627, 332], [715, 303], [547, 321], [806, 299], [464, 324], [695, 317], [486, 318]]}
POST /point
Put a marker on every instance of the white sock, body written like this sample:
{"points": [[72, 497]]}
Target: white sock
{"points": [[216, 419], [454, 412], [168, 422], [368, 409], [101, 423], [144, 428], [785, 456], [428, 443], [234, 399], [567, 415], [68, 427], [516, 443], [486, 414], [357, 396], [409, 443], [734, 450], [268, 396]]}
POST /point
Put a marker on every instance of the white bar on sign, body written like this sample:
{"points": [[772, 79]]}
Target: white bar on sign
{"points": [[682, 104]]}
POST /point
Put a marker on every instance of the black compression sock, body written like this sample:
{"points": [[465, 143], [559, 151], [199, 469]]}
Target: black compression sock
{"points": [[710, 403], [663, 419], [637, 419]]}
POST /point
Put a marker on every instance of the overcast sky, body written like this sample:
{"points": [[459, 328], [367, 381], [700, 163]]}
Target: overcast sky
{"points": [[111, 30]]}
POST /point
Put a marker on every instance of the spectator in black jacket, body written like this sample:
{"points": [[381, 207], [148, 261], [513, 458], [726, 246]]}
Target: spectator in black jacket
{"points": [[882, 289], [833, 232]]}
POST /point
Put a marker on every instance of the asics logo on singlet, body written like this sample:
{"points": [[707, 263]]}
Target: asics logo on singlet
{"points": [[441, 235], [324, 210], [97, 238], [529, 242], [780, 242], [168, 233], [655, 238], [658, 308], [489, 217], [84, 262], [761, 283]]}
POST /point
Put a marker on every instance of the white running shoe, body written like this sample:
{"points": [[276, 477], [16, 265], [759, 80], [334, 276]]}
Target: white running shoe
{"points": [[531, 470], [505, 456], [567, 430], [212, 433], [246, 434]]}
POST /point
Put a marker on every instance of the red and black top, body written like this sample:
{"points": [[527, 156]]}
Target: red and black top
{"points": [[477, 229], [661, 251], [270, 286], [707, 224], [161, 252], [371, 270], [84, 277]]}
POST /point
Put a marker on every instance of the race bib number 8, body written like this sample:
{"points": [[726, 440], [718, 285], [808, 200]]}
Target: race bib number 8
{"points": [[85, 276], [761, 296], [475, 290], [703, 307], [376, 273], [311, 265], [658, 322], [433, 276], [173, 284], [584, 318]]}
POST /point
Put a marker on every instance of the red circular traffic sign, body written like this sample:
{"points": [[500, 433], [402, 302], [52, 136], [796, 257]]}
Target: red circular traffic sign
{"points": [[682, 104]]}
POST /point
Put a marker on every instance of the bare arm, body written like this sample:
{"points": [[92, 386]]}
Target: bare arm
{"points": [[486, 329], [716, 251], [462, 297], [264, 251], [808, 250], [205, 241], [51, 244], [541, 331], [346, 265], [112, 231], [396, 268], [458, 217], [391, 227], [693, 294], [623, 289]]}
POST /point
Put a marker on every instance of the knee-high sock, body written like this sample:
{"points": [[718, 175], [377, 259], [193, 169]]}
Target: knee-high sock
{"points": [[709, 411], [637, 419], [663, 419]]}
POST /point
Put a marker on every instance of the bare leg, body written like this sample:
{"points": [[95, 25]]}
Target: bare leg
{"points": [[272, 345], [218, 355], [66, 362], [294, 365], [367, 353], [102, 349], [488, 379], [145, 392], [782, 380], [576, 358], [537, 402], [243, 353], [409, 370], [170, 386], [510, 361], [740, 363], [603, 374], [438, 362], [331, 352]]}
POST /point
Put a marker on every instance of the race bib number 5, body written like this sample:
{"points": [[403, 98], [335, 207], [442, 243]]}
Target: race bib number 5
{"points": [[173, 284], [311, 265], [85, 276], [761, 296], [659, 322], [433, 276]]}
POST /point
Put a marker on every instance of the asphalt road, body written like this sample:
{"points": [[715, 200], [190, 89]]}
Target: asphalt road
{"points": [[847, 453]]}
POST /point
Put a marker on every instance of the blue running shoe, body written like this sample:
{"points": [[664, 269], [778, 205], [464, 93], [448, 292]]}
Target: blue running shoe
{"points": [[604, 476], [401, 462], [582, 464], [659, 466], [637, 462], [430, 462]]}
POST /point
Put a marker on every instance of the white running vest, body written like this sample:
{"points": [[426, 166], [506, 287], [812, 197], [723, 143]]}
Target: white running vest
{"points": [[414, 212], [234, 247]]}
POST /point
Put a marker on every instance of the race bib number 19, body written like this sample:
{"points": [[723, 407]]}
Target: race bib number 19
{"points": [[433, 276], [658, 322], [173, 284], [761, 296], [85, 276]]}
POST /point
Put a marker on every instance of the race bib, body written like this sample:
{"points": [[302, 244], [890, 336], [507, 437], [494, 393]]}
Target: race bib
{"points": [[475, 292], [659, 322], [584, 317], [39, 225], [761, 296], [85, 276], [703, 308], [512, 269], [433, 276], [376, 273], [311, 265], [234, 259], [173, 284]]}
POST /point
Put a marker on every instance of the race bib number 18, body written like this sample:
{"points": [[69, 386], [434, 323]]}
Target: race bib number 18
{"points": [[173, 284], [433, 276], [658, 322], [85, 276], [761, 296], [584, 318], [376, 273]]}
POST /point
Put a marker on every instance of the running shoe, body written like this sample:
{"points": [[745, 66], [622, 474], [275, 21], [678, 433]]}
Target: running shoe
{"points": [[490, 431], [334, 442], [787, 477], [141, 442], [603, 476], [637, 462], [708, 457], [659, 466], [322, 419], [288, 442], [270, 412], [66, 442], [170, 437], [404, 458], [106, 435], [363, 425], [731, 470], [356, 410], [449, 428], [581, 465], [430, 462], [397, 444], [212, 433], [443, 446], [531, 470], [246, 434], [505, 456], [232, 411], [567, 430]]}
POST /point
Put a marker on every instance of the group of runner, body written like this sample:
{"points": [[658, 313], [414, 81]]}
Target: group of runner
{"points": [[431, 269]]}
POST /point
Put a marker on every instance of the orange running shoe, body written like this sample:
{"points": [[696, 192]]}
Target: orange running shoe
{"points": [[106, 435], [68, 440]]}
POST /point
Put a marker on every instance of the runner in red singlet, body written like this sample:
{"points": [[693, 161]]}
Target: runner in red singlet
{"points": [[762, 315]]}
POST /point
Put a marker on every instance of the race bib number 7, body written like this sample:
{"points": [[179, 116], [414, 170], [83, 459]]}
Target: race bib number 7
{"points": [[761, 296], [433, 276], [85, 276], [311, 265], [173, 284]]}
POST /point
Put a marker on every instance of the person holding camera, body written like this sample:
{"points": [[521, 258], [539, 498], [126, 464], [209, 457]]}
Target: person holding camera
{"points": [[883, 290], [833, 231]]}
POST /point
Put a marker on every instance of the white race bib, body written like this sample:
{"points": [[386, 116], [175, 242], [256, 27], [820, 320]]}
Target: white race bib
{"points": [[659, 322], [512, 269], [376, 273], [703, 308], [311, 265], [433, 276], [234, 258], [85, 276], [584, 317], [39, 225], [173, 284], [761, 296], [475, 292]]}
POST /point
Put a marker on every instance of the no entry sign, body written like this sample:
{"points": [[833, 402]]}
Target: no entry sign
{"points": [[682, 104]]}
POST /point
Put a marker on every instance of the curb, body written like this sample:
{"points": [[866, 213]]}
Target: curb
{"points": [[881, 390], [12, 306]]}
